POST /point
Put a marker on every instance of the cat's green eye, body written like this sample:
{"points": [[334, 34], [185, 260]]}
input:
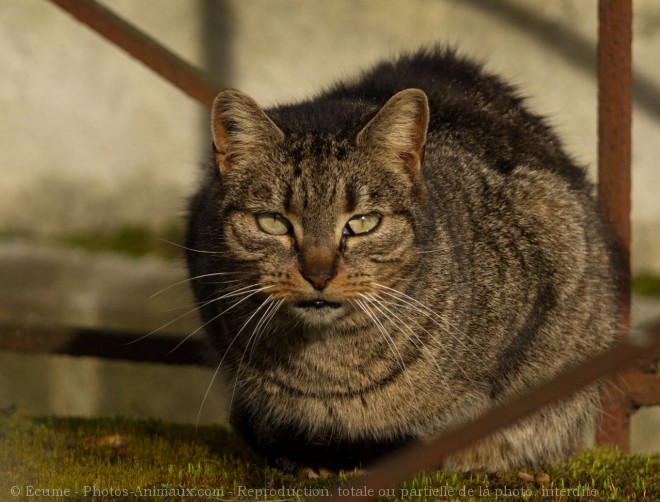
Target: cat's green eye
{"points": [[274, 223], [362, 224]]}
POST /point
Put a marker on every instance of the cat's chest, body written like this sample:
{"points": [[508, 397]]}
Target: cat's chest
{"points": [[354, 401], [339, 365]]}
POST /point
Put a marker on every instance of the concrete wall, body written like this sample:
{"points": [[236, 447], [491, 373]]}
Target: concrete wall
{"points": [[91, 140]]}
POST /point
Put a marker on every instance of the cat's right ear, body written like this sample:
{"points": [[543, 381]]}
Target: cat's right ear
{"points": [[240, 129]]}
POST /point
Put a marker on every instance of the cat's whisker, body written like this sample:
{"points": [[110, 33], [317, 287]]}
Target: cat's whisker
{"points": [[365, 305], [410, 318], [243, 290], [260, 332], [430, 314], [257, 332], [190, 249], [251, 293], [217, 370], [437, 250], [446, 329], [385, 305], [197, 307], [163, 326], [258, 327], [184, 281], [436, 342], [384, 309], [269, 304], [229, 294]]}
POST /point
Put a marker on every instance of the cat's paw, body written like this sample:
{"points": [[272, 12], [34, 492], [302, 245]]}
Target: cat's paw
{"points": [[317, 473], [306, 471]]}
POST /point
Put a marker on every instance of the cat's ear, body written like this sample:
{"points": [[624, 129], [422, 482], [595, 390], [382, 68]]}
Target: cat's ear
{"points": [[240, 128], [400, 127]]}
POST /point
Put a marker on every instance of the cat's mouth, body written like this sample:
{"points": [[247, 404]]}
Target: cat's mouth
{"points": [[318, 312], [317, 304]]}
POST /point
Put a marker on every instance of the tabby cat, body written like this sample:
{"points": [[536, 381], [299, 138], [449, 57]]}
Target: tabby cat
{"points": [[392, 258]]}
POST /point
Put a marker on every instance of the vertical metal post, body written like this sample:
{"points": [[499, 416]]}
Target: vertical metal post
{"points": [[614, 153]]}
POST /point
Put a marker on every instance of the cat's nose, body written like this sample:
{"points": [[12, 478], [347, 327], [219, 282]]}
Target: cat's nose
{"points": [[318, 266], [318, 280]]}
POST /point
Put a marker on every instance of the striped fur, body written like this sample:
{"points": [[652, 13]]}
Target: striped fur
{"points": [[489, 272]]}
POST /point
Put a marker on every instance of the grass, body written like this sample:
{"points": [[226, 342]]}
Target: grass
{"points": [[128, 459]]}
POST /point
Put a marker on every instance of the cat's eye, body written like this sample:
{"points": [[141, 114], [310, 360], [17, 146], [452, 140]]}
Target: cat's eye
{"points": [[274, 223], [362, 224]]}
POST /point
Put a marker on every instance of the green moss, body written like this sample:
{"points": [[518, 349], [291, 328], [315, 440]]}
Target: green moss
{"points": [[120, 454], [646, 284], [112, 458], [599, 474], [132, 240]]}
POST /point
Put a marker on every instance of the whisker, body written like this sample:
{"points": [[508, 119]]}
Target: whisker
{"points": [[256, 333], [438, 344], [252, 293], [191, 279], [270, 316], [387, 337], [189, 249], [190, 312], [387, 312], [427, 312], [217, 370]]}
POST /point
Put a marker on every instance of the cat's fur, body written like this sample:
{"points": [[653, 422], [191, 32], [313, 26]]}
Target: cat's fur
{"points": [[489, 272]]}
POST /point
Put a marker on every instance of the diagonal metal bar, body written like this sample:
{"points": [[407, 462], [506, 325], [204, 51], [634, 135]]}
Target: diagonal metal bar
{"points": [[168, 65], [406, 463], [614, 147]]}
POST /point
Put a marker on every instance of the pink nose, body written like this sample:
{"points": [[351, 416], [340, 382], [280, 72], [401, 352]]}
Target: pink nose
{"points": [[318, 280]]}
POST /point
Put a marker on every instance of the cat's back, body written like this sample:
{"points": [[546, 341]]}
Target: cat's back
{"points": [[439, 72], [468, 106]]}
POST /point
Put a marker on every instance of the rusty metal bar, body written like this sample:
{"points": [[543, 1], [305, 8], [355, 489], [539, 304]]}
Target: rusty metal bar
{"points": [[105, 344], [614, 153], [643, 389], [405, 464], [165, 63]]}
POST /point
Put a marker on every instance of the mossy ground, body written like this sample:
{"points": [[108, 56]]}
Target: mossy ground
{"points": [[128, 459]]}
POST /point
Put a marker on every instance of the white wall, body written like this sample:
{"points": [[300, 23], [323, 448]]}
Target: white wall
{"points": [[91, 139]]}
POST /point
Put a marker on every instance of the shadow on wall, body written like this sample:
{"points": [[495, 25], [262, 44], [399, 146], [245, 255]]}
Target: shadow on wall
{"points": [[217, 44], [573, 47]]}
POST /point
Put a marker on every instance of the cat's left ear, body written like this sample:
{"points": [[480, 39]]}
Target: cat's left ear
{"points": [[400, 127], [241, 129]]}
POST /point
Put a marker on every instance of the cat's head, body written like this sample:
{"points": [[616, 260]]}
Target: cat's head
{"points": [[321, 216]]}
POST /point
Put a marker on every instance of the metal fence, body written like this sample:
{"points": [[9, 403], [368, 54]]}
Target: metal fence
{"points": [[632, 388]]}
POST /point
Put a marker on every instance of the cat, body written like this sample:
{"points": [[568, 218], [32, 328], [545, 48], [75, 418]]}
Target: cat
{"points": [[393, 257]]}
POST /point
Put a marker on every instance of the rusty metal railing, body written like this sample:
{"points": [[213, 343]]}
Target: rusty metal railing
{"points": [[614, 146], [195, 83]]}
